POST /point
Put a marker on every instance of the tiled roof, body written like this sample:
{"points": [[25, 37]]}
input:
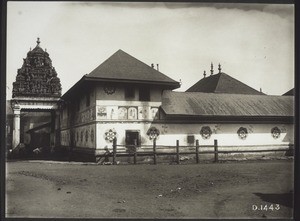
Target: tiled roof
{"points": [[222, 83], [122, 66], [289, 93], [211, 104]]}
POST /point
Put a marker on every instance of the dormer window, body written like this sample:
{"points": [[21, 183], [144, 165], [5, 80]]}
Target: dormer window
{"points": [[129, 93]]}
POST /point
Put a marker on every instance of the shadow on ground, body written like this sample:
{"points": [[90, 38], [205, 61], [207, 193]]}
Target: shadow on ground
{"points": [[285, 199]]}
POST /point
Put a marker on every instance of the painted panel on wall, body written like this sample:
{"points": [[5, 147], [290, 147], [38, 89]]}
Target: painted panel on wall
{"points": [[132, 113], [85, 116], [85, 136], [122, 113], [65, 138], [101, 112], [143, 112], [112, 112], [154, 113]]}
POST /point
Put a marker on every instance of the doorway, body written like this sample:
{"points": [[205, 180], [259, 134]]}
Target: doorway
{"points": [[133, 137]]}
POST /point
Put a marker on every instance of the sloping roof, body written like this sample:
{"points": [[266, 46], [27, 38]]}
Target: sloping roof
{"points": [[222, 83], [289, 93], [123, 66], [211, 104]]}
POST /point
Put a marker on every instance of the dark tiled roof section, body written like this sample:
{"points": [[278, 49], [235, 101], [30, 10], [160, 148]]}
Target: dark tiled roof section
{"points": [[123, 66], [222, 83], [211, 104], [289, 93]]}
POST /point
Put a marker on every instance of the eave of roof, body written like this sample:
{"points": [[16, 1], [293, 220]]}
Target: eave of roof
{"points": [[86, 79]]}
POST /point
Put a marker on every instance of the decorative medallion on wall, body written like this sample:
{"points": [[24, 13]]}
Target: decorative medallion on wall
{"points": [[153, 133], [92, 135], [242, 133], [86, 136], [109, 89], [110, 135], [275, 132], [205, 132]]}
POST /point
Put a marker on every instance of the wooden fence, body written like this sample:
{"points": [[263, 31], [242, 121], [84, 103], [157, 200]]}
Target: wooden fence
{"points": [[134, 152]]}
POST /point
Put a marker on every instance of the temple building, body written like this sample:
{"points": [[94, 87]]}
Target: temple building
{"points": [[35, 102], [131, 101]]}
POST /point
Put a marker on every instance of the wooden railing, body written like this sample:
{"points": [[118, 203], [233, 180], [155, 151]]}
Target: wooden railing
{"points": [[135, 152]]}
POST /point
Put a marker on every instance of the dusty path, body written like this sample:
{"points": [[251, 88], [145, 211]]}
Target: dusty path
{"points": [[229, 190]]}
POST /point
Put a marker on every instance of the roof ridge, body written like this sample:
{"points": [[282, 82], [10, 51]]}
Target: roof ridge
{"points": [[218, 81]]}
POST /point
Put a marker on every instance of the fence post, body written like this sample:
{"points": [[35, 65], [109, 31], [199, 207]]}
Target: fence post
{"points": [[134, 156], [197, 151], [114, 150], [177, 151], [216, 150], [154, 151]]}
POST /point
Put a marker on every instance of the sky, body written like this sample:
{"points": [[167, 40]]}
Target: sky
{"points": [[254, 43]]}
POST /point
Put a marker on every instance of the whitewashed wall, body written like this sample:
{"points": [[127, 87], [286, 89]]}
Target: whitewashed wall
{"points": [[226, 134]]}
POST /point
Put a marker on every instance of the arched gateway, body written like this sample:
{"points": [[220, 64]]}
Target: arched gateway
{"points": [[36, 92]]}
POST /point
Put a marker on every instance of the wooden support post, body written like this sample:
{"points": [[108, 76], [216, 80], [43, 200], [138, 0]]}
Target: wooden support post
{"points": [[114, 150], [134, 156], [154, 151], [177, 151], [197, 151], [216, 150]]}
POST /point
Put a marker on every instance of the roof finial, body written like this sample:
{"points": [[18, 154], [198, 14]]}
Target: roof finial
{"points": [[204, 74], [211, 69], [30, 49], [45, 49], [38, 41], [219, 68]]}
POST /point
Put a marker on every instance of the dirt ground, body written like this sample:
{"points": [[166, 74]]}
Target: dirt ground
{"points": [[251, 189]]}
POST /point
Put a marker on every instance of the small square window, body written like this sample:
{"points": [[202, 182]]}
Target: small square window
{"points": [[129, 92], [144, 94], [190, 139]]}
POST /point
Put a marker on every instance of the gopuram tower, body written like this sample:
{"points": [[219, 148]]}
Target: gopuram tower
{"points": [[37, 89]]}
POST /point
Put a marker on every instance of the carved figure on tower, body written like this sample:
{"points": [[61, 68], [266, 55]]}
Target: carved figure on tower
{"points": [[37, 77]]}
